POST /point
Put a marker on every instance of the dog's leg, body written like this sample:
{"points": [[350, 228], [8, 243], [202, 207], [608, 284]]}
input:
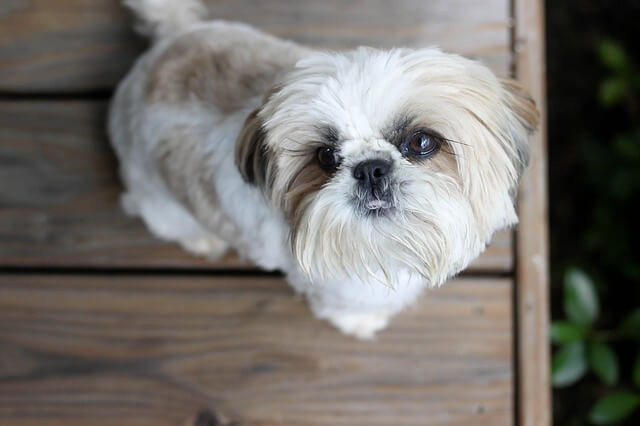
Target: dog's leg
{"points": [[363, 324], [170, 221], [208, 245], [358, 322]]}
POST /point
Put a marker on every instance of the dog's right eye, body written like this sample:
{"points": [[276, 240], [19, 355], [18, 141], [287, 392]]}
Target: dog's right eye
{"points": [[327, 158]]}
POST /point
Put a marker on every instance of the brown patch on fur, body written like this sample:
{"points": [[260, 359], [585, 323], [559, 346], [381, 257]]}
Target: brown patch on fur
{"points": [[444, 162], [172, 153], [223, 75], [524, 108], [307, 180], [254, 159], [522, 104], [183, 168]]}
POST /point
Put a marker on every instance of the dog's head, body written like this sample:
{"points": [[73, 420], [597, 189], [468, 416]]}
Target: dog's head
{"points": [[389, 160]]}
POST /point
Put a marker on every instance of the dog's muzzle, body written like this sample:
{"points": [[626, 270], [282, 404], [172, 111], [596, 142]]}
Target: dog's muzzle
{"points": [[373, 191]]}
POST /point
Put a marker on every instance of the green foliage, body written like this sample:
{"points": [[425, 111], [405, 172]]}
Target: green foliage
{"points": [[630, 327], [603, 362], [614, 408], [565, 331], [636, 371], [580, 299], [613, 55], [612, 91], [569, 364], [583, 347], [615, 88], [594, 148]]}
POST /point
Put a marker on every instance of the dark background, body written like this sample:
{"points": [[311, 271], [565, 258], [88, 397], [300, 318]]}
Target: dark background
{"points": [[593, 79]]}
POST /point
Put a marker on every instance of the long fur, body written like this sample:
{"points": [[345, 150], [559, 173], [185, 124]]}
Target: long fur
{"points": [[217, 128]]}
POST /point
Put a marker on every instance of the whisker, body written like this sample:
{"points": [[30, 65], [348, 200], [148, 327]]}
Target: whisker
{"points": [[450, 153], [458, 142]]}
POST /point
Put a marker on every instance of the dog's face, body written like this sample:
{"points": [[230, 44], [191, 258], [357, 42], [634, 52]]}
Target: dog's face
{"points": [[389, 160]]}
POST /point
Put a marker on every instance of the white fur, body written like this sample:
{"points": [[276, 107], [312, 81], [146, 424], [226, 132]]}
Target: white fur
{"points": [[163, 18], [355, 271]]}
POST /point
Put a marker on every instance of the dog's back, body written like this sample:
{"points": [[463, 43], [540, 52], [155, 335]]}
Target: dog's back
{"points": [[175, 117]]}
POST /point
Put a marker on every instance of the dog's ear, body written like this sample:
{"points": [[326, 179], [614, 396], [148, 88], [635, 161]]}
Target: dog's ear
{"points": [[252, 156], [524, 121], [522, 104]]}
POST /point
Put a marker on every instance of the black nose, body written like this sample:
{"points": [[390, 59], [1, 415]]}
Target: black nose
{"points": [[371, 172]]}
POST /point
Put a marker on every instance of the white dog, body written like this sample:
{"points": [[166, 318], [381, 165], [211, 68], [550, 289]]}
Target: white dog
{"points": [[365, 175]]}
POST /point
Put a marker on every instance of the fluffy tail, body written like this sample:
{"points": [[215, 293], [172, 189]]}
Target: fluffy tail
{"points": [[163, 18]]}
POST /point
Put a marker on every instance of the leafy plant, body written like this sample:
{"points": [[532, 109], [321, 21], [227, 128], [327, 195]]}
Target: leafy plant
{"points": [[622, 80], [583, 348], [593, 82]]}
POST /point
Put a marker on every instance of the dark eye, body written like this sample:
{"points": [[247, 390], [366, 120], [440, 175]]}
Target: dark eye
{"points": [[421, 144], [327, 158]]}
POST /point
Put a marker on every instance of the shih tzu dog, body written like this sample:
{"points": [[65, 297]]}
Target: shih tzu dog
{"points": [[365, 176]]}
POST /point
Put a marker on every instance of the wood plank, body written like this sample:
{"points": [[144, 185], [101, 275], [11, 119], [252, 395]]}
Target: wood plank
{"points": [[532, 274], [59, 197], [156, 350], [72, 45]]}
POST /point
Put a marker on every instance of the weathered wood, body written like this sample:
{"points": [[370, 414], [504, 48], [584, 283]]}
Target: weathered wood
{"points": [[72, 45], [59, 197], [150, 350], [64, 45], [532, 274]]}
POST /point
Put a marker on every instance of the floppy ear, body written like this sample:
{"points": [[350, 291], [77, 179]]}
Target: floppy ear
{"points": [[524, 120], [522, 104], [252, 157]]}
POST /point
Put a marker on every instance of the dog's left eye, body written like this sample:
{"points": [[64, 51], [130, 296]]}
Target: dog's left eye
{"points": [[421, 144], [327, 158]]}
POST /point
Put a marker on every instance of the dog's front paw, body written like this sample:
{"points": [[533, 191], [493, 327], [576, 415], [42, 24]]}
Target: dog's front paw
{"points": [[209, 246], [361, 325]]}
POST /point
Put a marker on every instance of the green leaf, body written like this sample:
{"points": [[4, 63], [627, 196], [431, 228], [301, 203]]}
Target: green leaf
{"points": [[603, 362], [612, 55], [612, 90], [628, 146], [636, 371], [569, 364], [614, 408], [580, 298], [564, 331], [630, 326]]}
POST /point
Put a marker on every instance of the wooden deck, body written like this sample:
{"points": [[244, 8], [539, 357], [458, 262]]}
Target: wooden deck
{"points": [[101, 324]]}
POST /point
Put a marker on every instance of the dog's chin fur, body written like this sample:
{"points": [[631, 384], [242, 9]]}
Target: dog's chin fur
{"points": [[208, 92], [331, 240]]}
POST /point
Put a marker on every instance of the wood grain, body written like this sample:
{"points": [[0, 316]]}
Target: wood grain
{"points": [[203, 349], [150, 350], [76, 45], [532, 273], [59, 197]]}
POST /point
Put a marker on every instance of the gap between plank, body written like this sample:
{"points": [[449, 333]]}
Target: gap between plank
{"points": [[189, 271], [100, 94]]}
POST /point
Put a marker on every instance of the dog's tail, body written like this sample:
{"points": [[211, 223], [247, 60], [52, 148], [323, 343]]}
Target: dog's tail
{"points": [[162, 18]]}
